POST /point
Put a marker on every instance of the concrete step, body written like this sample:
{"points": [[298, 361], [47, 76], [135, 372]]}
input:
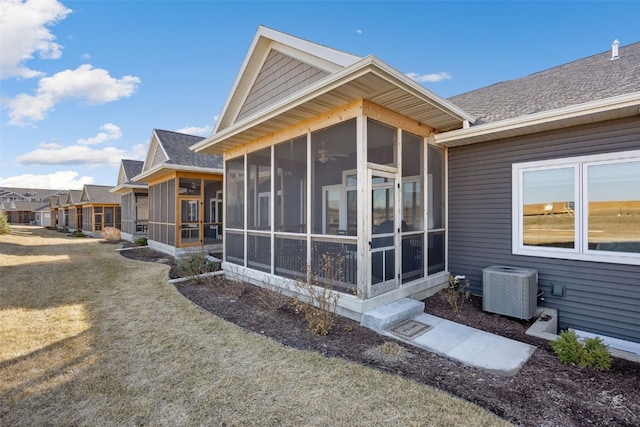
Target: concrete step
{"points": [[383, 317]]}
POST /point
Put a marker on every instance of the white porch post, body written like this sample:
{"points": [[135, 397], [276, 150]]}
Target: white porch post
{"points": [[363, 214]]}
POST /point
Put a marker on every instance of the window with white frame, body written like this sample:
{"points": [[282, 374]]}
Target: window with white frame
{"points": [[585, 208]]}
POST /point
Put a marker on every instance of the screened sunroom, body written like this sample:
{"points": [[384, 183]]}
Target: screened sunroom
{"points": [[359, 204], [330, 170]]}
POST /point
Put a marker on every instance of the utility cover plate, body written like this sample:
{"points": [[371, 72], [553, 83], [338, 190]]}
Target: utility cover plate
{"points": [[409, 329]]}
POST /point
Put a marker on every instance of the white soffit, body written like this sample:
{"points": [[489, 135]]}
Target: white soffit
{"points": [[369, 79], [604, 109]]}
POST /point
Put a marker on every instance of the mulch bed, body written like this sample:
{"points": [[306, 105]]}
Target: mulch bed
{"points": [[545, 392]]}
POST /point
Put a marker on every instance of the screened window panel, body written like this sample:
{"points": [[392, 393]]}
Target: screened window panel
{"points": [[259, 189], [382, 143], [291, 186], [234, 181], [436, 189]]}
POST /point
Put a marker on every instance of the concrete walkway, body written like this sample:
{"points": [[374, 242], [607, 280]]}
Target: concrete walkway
{"points": [[406, 321]]}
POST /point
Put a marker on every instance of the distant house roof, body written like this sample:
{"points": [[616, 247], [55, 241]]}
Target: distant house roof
{"points": [[99, 194], [18, 205], [38, 194], [170, 151], [132, 168], [72, 198], [583, 91]]}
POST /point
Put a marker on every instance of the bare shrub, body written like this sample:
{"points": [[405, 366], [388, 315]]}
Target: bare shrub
{"points": [[235, 287], [195, 264], [111, 234], [270, 297], [457, 293], [318, 301]]}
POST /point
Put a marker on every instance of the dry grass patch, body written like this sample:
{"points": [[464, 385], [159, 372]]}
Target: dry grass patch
{"points": [[106, 341]]}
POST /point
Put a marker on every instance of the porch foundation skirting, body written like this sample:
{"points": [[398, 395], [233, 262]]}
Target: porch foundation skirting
{"points": [[178, 252], [349, 305]]}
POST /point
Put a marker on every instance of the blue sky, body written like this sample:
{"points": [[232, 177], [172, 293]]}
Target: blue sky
{"points": [[84, 83]]}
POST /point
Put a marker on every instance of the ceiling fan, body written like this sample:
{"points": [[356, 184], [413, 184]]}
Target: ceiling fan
{"points": [[324, 156]]}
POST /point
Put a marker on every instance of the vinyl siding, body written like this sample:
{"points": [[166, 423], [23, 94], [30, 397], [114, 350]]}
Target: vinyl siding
{"points": [[279, 77], [600, 297]]}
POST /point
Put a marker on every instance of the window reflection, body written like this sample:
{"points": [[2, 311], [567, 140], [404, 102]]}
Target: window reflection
{"points": [[548, 207]]}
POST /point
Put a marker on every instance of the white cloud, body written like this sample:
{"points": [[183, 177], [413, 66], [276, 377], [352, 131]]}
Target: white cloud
{"points": [[429, 78], [24, 34], [359, 31], [82, 153], [61, 180], [110, 132], [195, 130], [91, 85]]}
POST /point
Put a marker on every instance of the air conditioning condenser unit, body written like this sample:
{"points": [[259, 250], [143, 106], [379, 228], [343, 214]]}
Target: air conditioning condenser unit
{"points": [[510, 291]]}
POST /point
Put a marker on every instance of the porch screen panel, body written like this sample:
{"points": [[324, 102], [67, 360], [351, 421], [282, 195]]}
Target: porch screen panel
{"points": [[291, 258], [436, 207], [334, 157], [259, 252], [108, 217], [234, 247], [234, 194], [334, 262], [164, 194], [381, 143], [291, 186], [170, 200], [259, 190], [171, 234]]}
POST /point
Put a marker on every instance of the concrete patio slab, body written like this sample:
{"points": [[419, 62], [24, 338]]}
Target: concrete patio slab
{"points": [[469, 346]]}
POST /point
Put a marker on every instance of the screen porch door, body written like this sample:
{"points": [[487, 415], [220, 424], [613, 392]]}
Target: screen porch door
{"points": [[383, 206]]}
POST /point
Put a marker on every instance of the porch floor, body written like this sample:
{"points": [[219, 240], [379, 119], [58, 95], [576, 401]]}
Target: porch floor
{"points": [[470, 346]]}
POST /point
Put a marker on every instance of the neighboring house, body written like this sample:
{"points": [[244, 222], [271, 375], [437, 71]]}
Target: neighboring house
{"points": [[185, 194], [134, 200], [24, 205], [57, 211], [73, 210], [100, 209], [43, 216], [332, 157]]}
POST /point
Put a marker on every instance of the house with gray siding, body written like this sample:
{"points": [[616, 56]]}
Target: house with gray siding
{"points": [[330, 157], [134, 200], [548, 178]]}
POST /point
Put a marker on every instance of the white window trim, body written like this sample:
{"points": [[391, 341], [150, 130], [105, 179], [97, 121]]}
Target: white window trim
{"points": [[581, 250]]}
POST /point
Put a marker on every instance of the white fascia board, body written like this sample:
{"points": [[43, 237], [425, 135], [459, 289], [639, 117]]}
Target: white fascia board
{"points": [[122, 187], [364, 66], [422, 92], [172, 167], [528, 123]]}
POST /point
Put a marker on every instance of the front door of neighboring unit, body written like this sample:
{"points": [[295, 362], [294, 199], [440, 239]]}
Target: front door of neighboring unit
{"points": [[216, 214], [189, 222], [383, 236]]}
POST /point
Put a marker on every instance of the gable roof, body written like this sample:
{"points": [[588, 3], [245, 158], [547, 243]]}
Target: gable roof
{"points": [[99, 194], [357, 79], [170, 151], [129, 169], [313, 61], [73, 198], [582, 91]]}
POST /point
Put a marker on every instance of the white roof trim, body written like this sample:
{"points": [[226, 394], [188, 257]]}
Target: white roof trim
{"points": [[169, 167], [148, 161], [121, 188], [531, 123], [365, 65]]}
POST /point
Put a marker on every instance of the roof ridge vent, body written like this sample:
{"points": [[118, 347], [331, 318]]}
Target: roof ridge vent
{"points": [[614, 49]]}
